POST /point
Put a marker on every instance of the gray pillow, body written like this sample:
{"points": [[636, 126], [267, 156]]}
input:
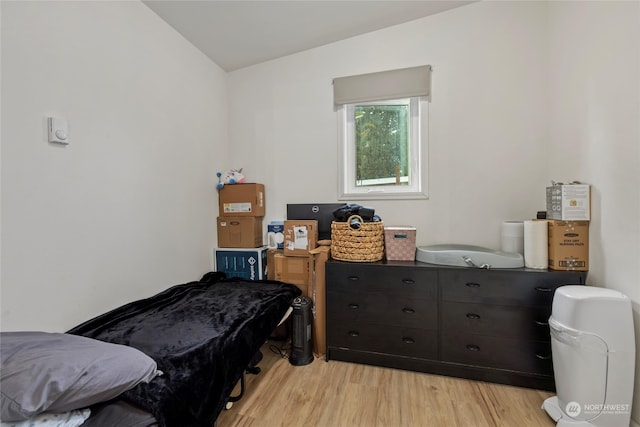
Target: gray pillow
{"points": [[57, 372]]}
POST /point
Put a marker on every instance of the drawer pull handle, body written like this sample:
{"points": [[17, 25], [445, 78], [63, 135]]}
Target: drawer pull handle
{"points": [[543, 289], [541, 357], [354, 306], [408, 310], [408, 281], [354, 333], [473, 316], [408, 340], [473, 285], [353, 278], [473, 347], [542, 323]]}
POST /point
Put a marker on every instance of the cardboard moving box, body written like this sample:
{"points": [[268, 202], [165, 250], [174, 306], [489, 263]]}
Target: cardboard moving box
{"points": [[317, 292], [294, 270], [239, 231], [309, 275], [242, 200], [300, 236], [568, 245], [569, 202]]}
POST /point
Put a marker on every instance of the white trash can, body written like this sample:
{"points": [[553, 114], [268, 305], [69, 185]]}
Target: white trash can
{"points": [[593, 350]]}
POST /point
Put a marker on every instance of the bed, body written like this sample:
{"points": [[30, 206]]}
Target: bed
{"points": [[194, 341]]}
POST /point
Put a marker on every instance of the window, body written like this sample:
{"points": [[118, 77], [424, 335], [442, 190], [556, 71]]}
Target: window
{"points": [[382, 138]]}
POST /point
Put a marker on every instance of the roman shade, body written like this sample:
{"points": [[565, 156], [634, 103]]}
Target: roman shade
{"points": [[393, 84]]}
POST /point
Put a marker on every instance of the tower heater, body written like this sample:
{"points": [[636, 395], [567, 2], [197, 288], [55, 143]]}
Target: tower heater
{"points": [[301, 352]]}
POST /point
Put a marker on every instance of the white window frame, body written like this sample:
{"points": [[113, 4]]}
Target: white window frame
{"points": [[418, 140]]}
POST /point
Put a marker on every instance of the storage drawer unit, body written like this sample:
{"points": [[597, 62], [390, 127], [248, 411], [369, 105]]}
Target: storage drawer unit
{"points": [[382, 309], [490, 325]]}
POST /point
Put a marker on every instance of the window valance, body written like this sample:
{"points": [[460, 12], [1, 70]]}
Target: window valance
{"points": [[393, 84]]}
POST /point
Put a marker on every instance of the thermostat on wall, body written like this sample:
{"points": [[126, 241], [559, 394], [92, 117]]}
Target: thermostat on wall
{"points": [[58, 130]]}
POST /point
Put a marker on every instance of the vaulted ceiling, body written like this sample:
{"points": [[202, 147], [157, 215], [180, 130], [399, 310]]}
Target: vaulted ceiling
{"points": [[241, 33]]}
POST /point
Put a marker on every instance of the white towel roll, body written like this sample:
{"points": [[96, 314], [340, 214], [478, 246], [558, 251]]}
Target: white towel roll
{"points": [[536, 250], [512, 237]]}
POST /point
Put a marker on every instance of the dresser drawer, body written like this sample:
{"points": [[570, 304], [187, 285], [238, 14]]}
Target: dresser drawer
{"points": [[529, 323], [382, 309], [502, 353], [503, 287], [408, 342], [413, 282]]}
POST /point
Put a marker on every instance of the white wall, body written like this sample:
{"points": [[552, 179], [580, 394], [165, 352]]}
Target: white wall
{"points": [[488, 117], [594, 100], [127, 208]]}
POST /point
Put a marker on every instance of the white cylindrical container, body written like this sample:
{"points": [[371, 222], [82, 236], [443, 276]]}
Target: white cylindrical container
{"points": [[512, 237], [536, 238], [593, 351]]}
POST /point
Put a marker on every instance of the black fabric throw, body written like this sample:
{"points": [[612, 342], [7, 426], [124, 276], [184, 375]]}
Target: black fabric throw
{"points": [[202, 335]]}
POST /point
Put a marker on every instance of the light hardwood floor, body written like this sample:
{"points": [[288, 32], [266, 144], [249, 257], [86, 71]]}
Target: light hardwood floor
{"points": [[340, 394]]}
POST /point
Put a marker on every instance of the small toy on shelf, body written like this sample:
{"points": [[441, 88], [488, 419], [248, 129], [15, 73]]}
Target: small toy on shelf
{"points": [[233, 176]]}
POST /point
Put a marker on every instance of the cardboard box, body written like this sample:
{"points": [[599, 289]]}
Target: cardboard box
{"points": [[309, 275], [294, 270], [316, 291], [245, 263], [239, 231], [300, 236], [568, 245], [271, 263], [400, 243], [571, 202], [242, 200], [275, 235]]}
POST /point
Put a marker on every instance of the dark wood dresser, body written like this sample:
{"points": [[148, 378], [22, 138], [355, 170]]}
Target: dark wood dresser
{"points": [[488, 325]]}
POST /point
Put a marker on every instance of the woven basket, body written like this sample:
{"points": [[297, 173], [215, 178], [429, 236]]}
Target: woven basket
{"points": [[365, 244]]}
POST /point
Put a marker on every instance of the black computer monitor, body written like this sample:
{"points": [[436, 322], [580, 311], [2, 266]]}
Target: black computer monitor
{"points": [[322, 212]]}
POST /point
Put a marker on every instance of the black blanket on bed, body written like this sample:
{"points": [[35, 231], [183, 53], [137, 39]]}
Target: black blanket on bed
{"points": [[202, 335]]}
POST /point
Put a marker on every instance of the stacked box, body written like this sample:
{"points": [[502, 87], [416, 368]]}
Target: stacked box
{"points": [[568, 245], [241, 209], [317, 292], [300, 236], [308, 274], [400, 243], [239, 232], [570, 202], [294, 270], [275, 235], [244, 263], [242, 200]]}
